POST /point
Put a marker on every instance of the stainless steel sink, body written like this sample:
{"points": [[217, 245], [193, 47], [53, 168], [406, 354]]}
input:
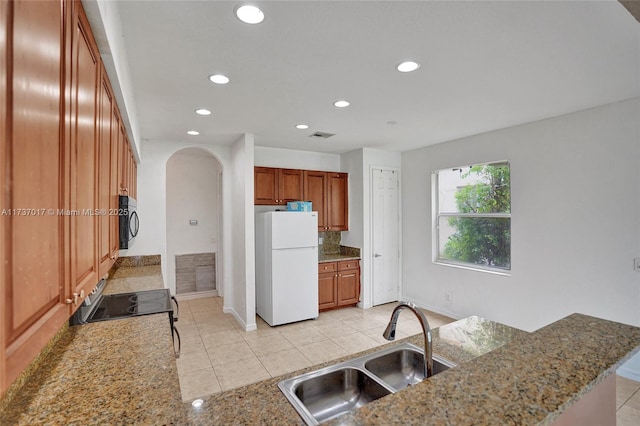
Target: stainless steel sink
{"points": [[337, 392], [404, 367], [332, 391]]}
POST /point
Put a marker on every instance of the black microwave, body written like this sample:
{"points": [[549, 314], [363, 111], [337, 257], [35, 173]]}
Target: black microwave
{"points": [[129, 221]]}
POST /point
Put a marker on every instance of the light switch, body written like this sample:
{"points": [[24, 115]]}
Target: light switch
{"points": [[193, 222]]}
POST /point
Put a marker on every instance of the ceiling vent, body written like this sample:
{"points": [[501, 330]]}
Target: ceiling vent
{"points": [[322, 135]]}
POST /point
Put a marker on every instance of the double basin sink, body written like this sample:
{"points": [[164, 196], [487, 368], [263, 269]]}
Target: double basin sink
{"points": [[329, 392]]}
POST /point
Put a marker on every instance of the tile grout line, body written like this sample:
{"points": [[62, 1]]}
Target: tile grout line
{"points": [[637, 391]]}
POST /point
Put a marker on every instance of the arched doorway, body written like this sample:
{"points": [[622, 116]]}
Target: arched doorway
{"points": [[193, 218]]}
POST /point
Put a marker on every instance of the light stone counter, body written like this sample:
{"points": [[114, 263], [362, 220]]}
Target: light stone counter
{"points": [[109, 372], [123, 372], [504, 377]]}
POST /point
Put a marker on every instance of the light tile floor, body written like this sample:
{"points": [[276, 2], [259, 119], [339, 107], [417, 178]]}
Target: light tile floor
{"points": [[217, 355]]}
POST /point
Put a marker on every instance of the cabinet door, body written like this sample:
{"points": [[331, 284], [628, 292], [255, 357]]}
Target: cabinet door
{"points": [[265, 180], [134, 180], [290, 187], [338, 202], [114, 184], [33, 148], [315, 190], [105, 128], [348, 287], [5, 193], [84, 176], [327, 290], [122, 161], [132, 173]]}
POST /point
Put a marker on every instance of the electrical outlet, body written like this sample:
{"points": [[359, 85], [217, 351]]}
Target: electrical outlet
{"points": [[636, 264], [448, 296], [319, 240]]}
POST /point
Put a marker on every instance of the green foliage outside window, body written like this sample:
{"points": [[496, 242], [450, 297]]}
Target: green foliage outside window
{"points": [[482, 240]]}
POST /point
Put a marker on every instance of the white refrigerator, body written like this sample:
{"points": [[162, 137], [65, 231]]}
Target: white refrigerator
{"points": [[286, 266]]}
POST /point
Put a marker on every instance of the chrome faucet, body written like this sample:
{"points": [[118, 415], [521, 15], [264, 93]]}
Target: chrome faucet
{"points": [[390, 333]]}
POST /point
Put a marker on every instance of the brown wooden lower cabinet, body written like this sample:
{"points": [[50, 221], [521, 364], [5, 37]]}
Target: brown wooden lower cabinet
{"points": [[338, 284]]}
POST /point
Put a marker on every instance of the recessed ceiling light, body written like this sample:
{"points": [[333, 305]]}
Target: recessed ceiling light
{"points": [[408, 66], [301, 126], [341, 104], [219, 79], [203, 111], [249, 14], [193, 133]]}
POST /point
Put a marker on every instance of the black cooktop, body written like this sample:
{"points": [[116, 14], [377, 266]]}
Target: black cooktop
{"points": [[116, 306]]}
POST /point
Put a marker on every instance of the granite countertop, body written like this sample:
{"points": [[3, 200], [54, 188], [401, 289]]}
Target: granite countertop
{"points": [[124, 372], [109, 372], [529, 381], [264, 403], [335, 257], [504, 376], [127, 279]]}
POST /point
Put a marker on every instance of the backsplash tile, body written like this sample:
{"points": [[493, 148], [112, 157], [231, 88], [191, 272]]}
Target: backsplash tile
{"points": [[134, 261], [331, 245], [349, 251], [330, 242]]}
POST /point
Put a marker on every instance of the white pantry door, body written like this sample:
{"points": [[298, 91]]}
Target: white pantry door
{"points": [[385, 217]]}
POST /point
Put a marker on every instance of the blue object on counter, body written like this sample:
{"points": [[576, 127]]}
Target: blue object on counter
{"points": [[299, 206]]}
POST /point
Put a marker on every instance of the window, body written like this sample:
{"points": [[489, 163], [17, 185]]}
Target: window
{"points": [[472, 216]]}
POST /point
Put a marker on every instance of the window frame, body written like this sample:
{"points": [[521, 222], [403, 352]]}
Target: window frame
{"points": [[437, 215]]}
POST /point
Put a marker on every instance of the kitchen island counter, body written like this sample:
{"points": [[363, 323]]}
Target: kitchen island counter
{"points": [[504, 376]]}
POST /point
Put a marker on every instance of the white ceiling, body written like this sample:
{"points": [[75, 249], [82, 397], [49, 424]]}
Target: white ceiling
{"points": [[485, 66]]}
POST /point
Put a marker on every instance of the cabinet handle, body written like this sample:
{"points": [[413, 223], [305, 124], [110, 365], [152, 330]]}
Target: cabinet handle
{"points": [[75, 298]]}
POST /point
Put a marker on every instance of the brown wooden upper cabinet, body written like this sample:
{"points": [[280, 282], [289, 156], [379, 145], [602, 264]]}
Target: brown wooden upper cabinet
{"points": [[114, 236], [337, 202], [33, 151], [104, 151], [277, 186], [85, 74], [328, 193], [61, 157]]}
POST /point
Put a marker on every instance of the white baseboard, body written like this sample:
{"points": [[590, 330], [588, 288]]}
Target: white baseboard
{"points": [[628, 373], [631, 368], [243, 324]]}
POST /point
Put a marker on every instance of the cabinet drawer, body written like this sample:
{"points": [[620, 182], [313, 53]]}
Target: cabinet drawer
{"points": [[346, 265], [327, 267]]}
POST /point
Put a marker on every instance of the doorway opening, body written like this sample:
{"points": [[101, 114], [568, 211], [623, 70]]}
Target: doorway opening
{"points": [[193, 208]]}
